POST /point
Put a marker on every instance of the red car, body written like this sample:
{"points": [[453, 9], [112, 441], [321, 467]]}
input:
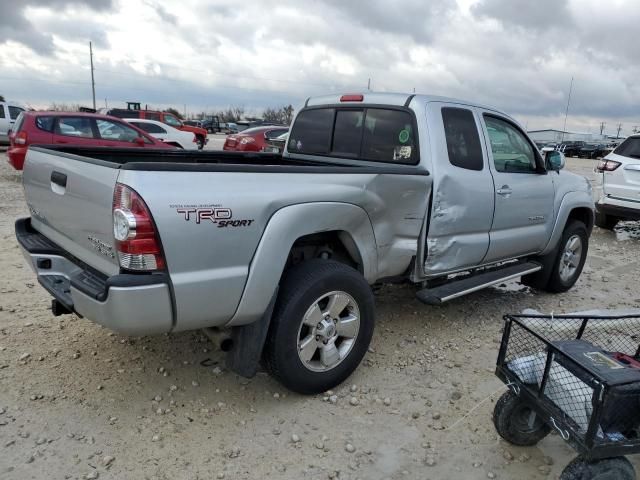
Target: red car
{"points": [[253, 139], [88, 129]]}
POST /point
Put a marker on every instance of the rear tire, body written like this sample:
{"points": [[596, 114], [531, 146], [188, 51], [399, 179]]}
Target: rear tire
{"points": [[301, 319], [617, 468], [606, 222], [511, 417]]}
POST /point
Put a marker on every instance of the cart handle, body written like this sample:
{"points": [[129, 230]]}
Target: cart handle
{"points": [[563, 433]]}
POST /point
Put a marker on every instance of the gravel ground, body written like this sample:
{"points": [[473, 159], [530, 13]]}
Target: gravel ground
{"points": [[77, 401]]}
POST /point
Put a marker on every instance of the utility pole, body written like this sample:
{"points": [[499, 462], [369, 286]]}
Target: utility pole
{"points": [[619, 128], [566, 112], [602, 125], [93, 83], [369, 85]]}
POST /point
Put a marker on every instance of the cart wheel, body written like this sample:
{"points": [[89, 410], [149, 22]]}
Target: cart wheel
{"points": [[517, 422], [617, 468]]}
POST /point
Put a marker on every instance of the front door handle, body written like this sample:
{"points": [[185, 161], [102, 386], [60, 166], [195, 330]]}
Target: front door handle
{"points": [[505, 191]]}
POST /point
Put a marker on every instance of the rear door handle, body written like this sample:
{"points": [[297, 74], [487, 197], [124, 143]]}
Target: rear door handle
{"points": [[505, 191], [59, 179]]}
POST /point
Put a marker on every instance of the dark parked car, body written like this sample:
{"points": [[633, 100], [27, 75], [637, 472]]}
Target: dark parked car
{"points": [[212, 124], [571, 149], [592, 150]]}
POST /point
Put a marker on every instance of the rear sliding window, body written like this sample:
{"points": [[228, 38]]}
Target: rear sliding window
{"points": [[375, 134], [463, 140], [629, 148]]}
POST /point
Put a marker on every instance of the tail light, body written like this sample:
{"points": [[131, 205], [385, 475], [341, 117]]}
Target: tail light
{"points": [[134, 232], [20, 138], [607, 166], [195, 140], [246, 140]]}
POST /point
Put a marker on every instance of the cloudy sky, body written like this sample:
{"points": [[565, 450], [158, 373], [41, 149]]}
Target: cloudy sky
{"points": [[518, 55]]}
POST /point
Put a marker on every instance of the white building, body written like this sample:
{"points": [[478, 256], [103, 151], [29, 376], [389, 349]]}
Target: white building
{"points": [[557, 136]]}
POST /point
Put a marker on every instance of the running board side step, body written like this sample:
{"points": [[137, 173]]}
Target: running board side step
{"points": [[457, 288]]}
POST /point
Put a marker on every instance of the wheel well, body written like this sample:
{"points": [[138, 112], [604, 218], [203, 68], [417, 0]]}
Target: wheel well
{"points": [[583, 214], [335, 245]]}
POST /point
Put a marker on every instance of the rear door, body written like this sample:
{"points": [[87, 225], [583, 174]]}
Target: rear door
{"points": [[75, 131], [462, 202], [523, 191], [623, 183]]}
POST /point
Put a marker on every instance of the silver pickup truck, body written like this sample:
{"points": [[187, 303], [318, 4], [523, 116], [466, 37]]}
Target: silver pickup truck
{"points": [[283, 249]]}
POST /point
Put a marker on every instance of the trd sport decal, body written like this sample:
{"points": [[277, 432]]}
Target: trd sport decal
{"points": [[221, 216]]}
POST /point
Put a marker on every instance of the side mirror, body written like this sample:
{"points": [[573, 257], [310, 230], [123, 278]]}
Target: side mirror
{"points": [[555, 160]]}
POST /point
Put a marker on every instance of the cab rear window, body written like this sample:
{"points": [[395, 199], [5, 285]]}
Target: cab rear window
{"points": [[373, 134]]}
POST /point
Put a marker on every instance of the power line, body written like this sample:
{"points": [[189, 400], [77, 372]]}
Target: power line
{"points": [[93, 83]]}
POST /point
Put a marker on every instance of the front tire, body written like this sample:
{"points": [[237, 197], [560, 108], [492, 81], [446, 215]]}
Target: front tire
{"points": [[617, 468], [516, 422], [570, 259], [200, 142], [321, 326]]}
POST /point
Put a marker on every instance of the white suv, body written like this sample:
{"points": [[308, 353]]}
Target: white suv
{"points": [[620, 199], [8, 113]]}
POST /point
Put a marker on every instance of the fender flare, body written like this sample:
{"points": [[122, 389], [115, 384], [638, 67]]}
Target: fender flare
{"points": [[570, 202], [283, 229]]}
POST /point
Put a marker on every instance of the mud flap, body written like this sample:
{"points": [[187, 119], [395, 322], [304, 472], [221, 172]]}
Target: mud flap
{"points": [[248, 342], [540, 279]]}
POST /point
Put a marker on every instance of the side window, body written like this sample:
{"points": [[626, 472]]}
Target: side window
{"points": [[152, 116], [512, 152], [311, 132], [116, 131], [347, 134], [2, 111], [14, 112], [45, 123], [388, 136], [75, 127], [149, 127], [463, 140]]}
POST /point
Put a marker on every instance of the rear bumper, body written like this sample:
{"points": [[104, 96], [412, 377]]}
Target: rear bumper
{"points": [[618, 208], [132, 304]]}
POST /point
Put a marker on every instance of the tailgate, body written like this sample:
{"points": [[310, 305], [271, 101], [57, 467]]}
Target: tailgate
{"points": [[624, 182], [70, 203]]}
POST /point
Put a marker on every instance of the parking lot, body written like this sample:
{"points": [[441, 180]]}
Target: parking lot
{"points": [[78, 401]]}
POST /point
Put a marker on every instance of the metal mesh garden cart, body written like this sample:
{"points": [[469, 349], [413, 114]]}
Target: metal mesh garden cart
{"points": [[579, 375]]}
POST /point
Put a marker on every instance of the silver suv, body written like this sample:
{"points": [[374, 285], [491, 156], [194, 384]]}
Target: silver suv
{"points": [[620, 187]]}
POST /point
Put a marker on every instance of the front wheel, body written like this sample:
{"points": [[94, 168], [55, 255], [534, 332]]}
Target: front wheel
{"points": [[200, 142], [321, 326], [570, 259], [517, 422], [617, 468]]}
